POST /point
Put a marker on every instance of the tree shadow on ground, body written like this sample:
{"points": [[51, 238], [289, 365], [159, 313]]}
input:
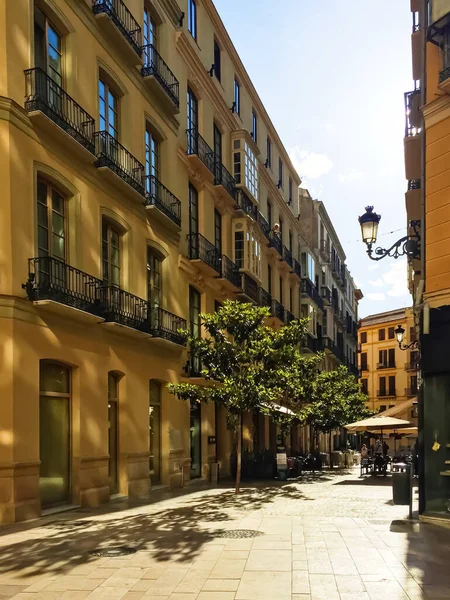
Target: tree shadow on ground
{"points": [[378, 480], [178, 533]]}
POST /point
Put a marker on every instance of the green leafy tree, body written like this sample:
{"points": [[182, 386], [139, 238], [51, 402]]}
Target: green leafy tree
{"points": [[250, 366], [336, 400]]}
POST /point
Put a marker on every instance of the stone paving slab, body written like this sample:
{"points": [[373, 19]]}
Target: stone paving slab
{"points": [[330, 536]]}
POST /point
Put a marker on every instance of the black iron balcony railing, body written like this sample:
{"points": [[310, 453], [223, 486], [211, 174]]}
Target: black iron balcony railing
{"points": [[289, 317], [166, 325], [444, 74], [155, 66], [325, 293], [307, 287], [264, 225], [412, 366], [201, 249], [365, 367], [412, 391], [230, 271], [412, 112], [265, 299], [224, 178], [278, 310], [52, 279], [249, 287], [43, 94], [287, 256], [338, 352], [296, 268], [275, 242], [413, 184], [122, 19], [110, 153], [244, 203], [386, 393], [310, 343], [156, 194], [198, 146], [125, 309], [386, 365]]}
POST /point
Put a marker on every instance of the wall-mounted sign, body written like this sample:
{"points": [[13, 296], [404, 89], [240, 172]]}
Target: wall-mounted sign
{"points": [[211, 439]]}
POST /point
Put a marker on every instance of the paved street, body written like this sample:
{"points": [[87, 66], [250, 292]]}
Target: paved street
{"points": [[330, 536]]}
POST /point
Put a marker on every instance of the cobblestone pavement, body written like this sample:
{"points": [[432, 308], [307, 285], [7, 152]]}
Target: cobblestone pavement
{"points": [[328, 536]]}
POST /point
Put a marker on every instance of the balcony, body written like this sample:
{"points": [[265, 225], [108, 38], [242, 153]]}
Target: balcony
{"points": [[275, 242], [278, 311], [48, 105], [386, 365], [325, 253], [296, 268], [223, 178], [325, 294], [206, 256], [265, 299], [120, 27], [166, 326], [230, 273], [117, 164], [411, 391], [365, 367], [264, 225], [412, 366], [308, 290], [412, 113], [289, 317], [444, 80], [203, 157], [60, 288], [160, 79], [125, 310], [386, 393], [249, 289], [244, 205], [309, 344], [286, 255], [164, 206]]}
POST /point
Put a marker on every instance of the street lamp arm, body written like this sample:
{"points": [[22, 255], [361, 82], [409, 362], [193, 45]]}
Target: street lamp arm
{"points": [[409, 246], [412, 346]]}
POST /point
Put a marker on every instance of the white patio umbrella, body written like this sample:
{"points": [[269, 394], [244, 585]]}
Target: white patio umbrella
{"points": [[379, 423]]}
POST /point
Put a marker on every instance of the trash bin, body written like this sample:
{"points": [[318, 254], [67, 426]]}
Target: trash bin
{"points": [[401, 488]]}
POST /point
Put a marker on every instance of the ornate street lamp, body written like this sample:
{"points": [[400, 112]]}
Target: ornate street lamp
{"points": [[406, 246], [399, 333]]}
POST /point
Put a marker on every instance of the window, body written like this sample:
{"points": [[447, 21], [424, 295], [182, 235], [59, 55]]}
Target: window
{"points": [[254, 126], [290, 191], [382, 384], [392, 385], [382, 407], [391, 333], [364, 337], [194, 312], [150, 39], [217, 144], [110, 254], [280, 173], [237, 97], [291, 299], [108, 109], [269, 279], [281, 290], [51, 221], [193, 209], [381, 335], [154, 278], [192, 121], [269, 213], [54, 432], [154, 425], [192, 18], [47, 47], [151, 162], [413, 384], [412, 334], [308, 266], [364, 361], [245, 162], [290, 242], [269, 153], [217, 60], [365, 386], [239, 249], [217, 305], [218, 230], [113, 431]]}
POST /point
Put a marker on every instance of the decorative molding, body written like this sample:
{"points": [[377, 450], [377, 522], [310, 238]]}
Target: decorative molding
{"points": [[173, 11], [436, 111]]}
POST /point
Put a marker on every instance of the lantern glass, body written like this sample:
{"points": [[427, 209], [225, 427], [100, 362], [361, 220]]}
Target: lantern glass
{"points": [[399, 332], [369, 231]]}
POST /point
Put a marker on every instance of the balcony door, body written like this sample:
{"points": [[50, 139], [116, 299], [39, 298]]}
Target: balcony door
{"points": [[217, 152], [382, 381], [51, 236], [151, 163], [48, 57], [111, 259], [192, 121], [150, 39]]}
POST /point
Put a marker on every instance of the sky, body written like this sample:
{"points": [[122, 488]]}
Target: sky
{"points": [[332, 74]]}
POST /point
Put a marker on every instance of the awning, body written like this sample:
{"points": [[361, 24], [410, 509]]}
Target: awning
{"points": [[398, 409], [378, 422]]}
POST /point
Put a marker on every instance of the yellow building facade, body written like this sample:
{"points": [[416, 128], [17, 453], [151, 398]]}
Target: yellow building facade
{"points": [[389, 376]]}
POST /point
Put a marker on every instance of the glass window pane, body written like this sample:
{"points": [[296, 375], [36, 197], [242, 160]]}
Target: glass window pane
{"points": [[58, 247], [42, 215], [57, 202], [43, 238], [54, 39], [58, 224], [115, 276], [54, 378], [42, 192]]}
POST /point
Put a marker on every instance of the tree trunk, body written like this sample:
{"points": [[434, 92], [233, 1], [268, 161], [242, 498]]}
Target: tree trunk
{"points": [[238, 454]]}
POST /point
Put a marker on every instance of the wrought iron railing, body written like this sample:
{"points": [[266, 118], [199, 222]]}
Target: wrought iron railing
{"points": [[264, 225], [45, 95], [166, 325], [278, 310], [110, 153], [386, 365], [230, 271], [122, 19], [287, 256], [412, 128], [289, 317], [155, 66], [249, 287], [125, 309], [444, 74], [201, 249], [265, 299], [310, 343], [156, 194], [307, 288], [413, 184], [244, 203], [412, 391], [52, 279], [325, 293], [275, 242], [365, 367], [296, 268], [223, 177], [198, 146], [386, 393], [412, 366]]}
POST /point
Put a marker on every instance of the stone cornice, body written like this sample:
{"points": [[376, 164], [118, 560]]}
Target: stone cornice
{"points": [[436, 111], [172, 10]]}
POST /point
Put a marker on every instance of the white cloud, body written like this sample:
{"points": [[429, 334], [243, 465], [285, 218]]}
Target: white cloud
{"points": [[393, 282], [378, 296], [310, 165], [373, 267], [377, 283], [352, 175]]}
